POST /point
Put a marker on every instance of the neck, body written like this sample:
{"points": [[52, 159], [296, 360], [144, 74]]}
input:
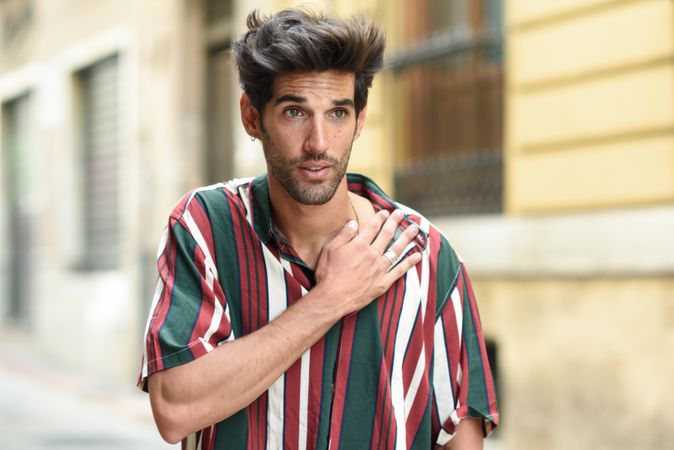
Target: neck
{"points": [[309, 227]]}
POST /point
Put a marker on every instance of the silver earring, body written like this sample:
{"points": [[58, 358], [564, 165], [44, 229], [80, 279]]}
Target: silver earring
{"points": [[252, 139]]}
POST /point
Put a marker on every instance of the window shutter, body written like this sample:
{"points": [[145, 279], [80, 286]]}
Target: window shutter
{"points": [[100, 128]]}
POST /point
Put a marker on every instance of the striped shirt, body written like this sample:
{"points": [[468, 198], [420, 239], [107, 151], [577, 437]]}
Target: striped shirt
{"points": [[401, 373]]}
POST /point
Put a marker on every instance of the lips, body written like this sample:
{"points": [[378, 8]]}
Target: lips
{"points": [[314, 171]]}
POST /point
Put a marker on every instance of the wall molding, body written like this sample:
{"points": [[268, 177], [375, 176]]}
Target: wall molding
{"points": [[626, 242]]}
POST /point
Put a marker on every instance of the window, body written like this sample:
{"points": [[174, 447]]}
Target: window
{"points": [[219, 91], [448, 81], [99, 138], [19, 177]]}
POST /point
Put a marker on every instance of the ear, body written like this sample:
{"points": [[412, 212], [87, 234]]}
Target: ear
{"points": [[250, 117], [360, 121]]}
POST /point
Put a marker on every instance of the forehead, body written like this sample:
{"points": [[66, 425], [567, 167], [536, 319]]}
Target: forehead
{"points": [[330, 85]]}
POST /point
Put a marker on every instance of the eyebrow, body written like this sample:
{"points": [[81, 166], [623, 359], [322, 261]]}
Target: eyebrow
{"points": [[299, 99]]}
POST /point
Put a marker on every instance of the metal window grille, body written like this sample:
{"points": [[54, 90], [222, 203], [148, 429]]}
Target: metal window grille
{"points": [[100, 140], [450, 79]]}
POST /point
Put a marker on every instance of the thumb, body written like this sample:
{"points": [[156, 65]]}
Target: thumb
{"points": [[348, 232]]}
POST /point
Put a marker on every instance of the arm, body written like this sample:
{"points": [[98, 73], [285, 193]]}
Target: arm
{"points": [[350, 273], [468, 436]]}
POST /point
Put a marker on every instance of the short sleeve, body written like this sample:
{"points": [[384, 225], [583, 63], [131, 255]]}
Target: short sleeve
{"points": [[189, 315], [462, 381]]}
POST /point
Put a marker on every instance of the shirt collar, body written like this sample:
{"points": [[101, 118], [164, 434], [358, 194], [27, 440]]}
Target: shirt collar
{"points": [[358, 184]]}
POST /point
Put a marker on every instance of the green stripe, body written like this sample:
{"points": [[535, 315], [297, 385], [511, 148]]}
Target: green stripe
{"points": [[185, 305], [231, 434], [422, 440], [478, 398], [329, 360], [363, 381], [447, 271], [219, 214]]}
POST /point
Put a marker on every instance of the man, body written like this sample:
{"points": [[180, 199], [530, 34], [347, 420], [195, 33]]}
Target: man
{"points": [[305, 309]]}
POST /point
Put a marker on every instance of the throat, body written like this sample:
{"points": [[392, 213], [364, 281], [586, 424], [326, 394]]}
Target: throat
{"points": [[309, 253]]}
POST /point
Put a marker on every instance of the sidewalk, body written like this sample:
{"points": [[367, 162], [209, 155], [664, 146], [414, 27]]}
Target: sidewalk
{"points": [[43, 406]]}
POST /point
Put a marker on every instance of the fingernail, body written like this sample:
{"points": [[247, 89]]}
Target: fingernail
{"points": [[384, 212], [414, 228], [398, 213], [352, 224]]}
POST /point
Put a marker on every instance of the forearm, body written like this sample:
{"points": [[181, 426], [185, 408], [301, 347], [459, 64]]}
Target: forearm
{"points": [[211, 388], [468, 436], [350, 273]]}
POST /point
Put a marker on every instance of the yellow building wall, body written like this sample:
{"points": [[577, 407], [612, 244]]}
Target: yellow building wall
{"points": [[585, 362], [590, 104]]}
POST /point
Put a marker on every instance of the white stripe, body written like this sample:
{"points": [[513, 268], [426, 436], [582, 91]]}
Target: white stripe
{"points": [[207, 345], [443, 438], [304, 395], [422, 286], [211, 275], [444, 399], [414, 383], [411, 303], [210, 187], [155, 300], [191, 442], [276, 292], [424, 226], [458, 313], [194, 230], [442, 380], [244, 193]]}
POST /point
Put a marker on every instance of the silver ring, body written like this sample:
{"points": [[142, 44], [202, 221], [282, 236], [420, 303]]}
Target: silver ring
{"points": [[390, 255]]}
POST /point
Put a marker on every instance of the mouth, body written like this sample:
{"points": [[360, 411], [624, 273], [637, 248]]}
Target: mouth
{"points": [[314, 171]]}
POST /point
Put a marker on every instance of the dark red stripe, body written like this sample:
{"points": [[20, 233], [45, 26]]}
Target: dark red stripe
{"points": [[413, 352], [203, 223], [341, 380], [207, 309], [291, 402], [383, 400], [257, 301], [389, 343], [239, 226], [418, 408], [315, 391], [155, 362]]}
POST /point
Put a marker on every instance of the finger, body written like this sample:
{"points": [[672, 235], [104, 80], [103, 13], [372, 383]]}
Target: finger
{"points": [[391, 255], [387, 231], [348, 232], [371, 229], [402, 267], [407, 236]]}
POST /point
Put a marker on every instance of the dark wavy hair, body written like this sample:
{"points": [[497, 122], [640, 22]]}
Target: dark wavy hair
{"points": [[300, 40]]}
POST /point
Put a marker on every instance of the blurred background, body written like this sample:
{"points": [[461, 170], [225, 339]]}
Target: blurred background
{"points": [[539, 135]]}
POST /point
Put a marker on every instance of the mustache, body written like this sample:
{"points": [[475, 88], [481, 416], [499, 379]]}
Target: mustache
{"points": [[313, 158]]}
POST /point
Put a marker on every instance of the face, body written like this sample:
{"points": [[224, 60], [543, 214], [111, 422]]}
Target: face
{"points": [[307, 130]]}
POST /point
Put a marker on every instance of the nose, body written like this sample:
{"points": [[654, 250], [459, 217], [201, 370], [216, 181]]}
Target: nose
{"points": [[317, 138]]}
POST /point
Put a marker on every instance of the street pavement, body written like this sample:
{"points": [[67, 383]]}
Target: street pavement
{"points": [[44, 406]]}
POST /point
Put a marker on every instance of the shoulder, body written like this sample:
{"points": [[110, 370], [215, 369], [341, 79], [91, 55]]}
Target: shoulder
{"points": [[202, 202], [438, 244]]}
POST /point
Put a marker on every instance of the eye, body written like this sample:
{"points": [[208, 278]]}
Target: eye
{"points": [[339, 113], [293, 112]]}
